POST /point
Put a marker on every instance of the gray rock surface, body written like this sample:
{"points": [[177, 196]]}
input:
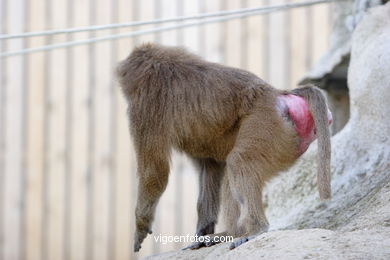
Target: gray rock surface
{"points": [[347, 15], [355, 224]]}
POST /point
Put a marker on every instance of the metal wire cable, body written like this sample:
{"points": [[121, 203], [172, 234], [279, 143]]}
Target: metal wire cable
{"points": [[158, 21], [227, 15]]}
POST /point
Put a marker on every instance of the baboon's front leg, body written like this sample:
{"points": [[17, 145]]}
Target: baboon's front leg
{"points": [[231, 214], [153, 179]]}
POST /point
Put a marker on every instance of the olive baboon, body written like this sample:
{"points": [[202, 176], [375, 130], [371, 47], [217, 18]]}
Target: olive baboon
{"points": [[237, 128]]}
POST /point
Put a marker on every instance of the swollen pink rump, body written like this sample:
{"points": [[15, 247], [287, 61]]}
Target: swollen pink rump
{"points": [[299, 112]]}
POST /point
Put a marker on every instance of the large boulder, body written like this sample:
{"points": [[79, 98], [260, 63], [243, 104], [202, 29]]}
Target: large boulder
{"points": [[330, 72]]}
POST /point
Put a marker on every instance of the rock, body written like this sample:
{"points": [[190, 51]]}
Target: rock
{"points": [[348, 14], [298, 244], [330, 72]]}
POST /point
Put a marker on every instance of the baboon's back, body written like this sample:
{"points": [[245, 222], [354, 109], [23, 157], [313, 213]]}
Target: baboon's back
{"points": [[168, 88]]}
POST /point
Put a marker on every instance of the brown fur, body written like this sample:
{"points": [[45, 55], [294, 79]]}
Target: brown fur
{"points": [[226, 119]]}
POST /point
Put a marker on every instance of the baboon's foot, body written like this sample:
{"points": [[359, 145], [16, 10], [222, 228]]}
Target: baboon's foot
{"points": [[240, 240], [205, 241]]}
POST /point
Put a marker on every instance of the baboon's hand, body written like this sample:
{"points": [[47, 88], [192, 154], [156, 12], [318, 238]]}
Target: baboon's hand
{"points": [[206, 229], [139, 237]]}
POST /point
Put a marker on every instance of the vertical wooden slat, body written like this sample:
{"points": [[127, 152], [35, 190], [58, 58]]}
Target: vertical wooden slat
{"points": [[69, 83], [168, 10], [255, 41], [266, 45], [79, 140], [212, 51], [287, 45], [3, 106], [90, 221], [13, 142], [46, 142], [101, 107], [135, 17], [298, 44], [201, 31], [277, 50], [190, 34], [145, 12], [25, 135], [125, 192], [157, 15], [36, 106], [233, 42], [223, 34], [57, 143], [244, 35], [113, 119]]}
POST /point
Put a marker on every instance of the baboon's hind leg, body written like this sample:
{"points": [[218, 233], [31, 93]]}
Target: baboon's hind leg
{"points": [[247, 168], [230, 207]]}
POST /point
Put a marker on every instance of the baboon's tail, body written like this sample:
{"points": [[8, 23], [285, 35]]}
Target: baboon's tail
{"points": [[319, 110]]}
